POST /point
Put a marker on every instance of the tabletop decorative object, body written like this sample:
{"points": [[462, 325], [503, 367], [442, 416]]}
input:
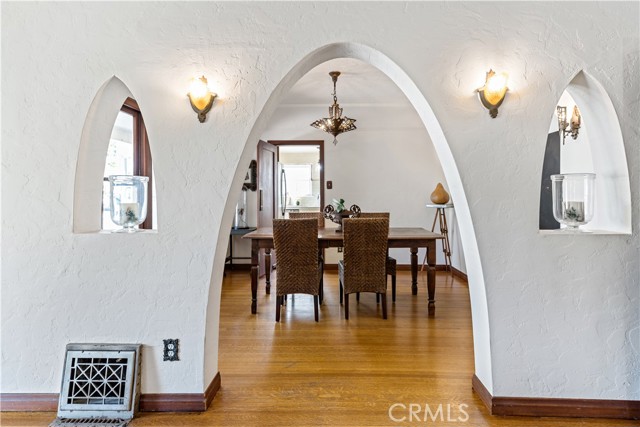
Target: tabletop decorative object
{"points": [[440, 195], [336, 212], [573, 199], [128, 201]]}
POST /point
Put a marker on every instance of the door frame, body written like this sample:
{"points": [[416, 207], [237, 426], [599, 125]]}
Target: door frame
{"points": [[320, 143]]}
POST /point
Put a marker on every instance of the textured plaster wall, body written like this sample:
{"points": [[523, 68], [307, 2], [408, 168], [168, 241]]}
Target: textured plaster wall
{"points": [[563, 311]]}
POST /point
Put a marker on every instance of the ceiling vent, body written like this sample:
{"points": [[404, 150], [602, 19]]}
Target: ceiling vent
{"points": [[100, 385]]}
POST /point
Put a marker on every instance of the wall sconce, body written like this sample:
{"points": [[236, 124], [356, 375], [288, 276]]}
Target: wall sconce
{"points": [[573, 125], [201, 97], [492, 93]]}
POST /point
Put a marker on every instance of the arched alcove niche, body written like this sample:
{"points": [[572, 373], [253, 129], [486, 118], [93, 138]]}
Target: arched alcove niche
{"points": [[480, 315], [94, 143], [602, 152]]}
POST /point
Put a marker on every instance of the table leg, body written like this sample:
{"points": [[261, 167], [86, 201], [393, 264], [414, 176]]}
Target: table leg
{"points": [[267, 269], [414, 271], [254, 276], [431, 276]]}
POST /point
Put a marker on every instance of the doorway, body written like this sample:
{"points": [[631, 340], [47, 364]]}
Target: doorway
{"points": [[300, 181]]}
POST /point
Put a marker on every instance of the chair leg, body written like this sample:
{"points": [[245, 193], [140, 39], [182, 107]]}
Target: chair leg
{"points": [[315, 306], [278, 304], [358, 296], [321, 292], [377, 298], [340, 292], [346, 306], [393, 288], [384, 305]]}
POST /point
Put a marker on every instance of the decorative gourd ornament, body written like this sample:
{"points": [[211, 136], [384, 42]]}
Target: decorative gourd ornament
{"points": [[440, 195]]}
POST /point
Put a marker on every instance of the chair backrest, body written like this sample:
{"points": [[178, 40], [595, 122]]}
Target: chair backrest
{"points": [[318, 216], [296, 245], [365, 254], [374, 215]]}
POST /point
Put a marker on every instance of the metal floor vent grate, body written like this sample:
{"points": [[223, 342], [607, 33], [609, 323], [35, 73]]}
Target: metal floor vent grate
{"points": [[100, 385], [88, 422]]}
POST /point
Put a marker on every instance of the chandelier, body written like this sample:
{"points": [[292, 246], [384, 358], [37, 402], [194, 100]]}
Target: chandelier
{"points": [[335, 124]]}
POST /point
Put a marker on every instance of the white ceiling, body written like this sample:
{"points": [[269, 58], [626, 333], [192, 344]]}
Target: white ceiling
{"points": [[359, 83]]}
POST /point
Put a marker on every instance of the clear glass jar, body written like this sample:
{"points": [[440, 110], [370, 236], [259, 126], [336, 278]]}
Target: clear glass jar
{"points": [[240, 219], [128, 201], [573, 199]]}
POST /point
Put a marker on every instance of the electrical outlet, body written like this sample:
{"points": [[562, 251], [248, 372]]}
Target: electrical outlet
{"points": [[171, 350], [339, 248], [329, 185]]}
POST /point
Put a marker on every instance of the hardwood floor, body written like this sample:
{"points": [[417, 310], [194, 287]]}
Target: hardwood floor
{"points": [[343, 373]]}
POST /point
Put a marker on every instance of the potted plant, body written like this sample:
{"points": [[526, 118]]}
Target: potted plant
{"points": [[336, 211]]}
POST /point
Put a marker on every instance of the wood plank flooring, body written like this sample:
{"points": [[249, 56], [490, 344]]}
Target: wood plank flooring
{"points": [[343, 373]]}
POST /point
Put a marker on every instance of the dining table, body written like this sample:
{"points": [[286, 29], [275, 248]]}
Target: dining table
{"points": [[399, 237]]}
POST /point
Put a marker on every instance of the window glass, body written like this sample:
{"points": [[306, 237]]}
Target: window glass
{"points": [[120, 152], [119, 161]]}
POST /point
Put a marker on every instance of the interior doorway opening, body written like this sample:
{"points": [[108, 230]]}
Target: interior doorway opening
{"points": [[477, 293]]}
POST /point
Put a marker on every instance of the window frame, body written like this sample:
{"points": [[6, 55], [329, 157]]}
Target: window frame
{"points": [[142, 165]]}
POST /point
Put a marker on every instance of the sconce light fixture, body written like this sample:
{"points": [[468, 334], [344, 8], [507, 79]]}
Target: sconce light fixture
{"points": [[573, 125], [492, 93], [201, 97]]}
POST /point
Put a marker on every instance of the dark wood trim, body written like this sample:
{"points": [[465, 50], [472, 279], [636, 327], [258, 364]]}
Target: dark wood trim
{"points": [[482, 392], [177, 402], [165, 402], [212, 390], [460, 274], [29, 402], [320, 143], [556, 407], [238, 267]]}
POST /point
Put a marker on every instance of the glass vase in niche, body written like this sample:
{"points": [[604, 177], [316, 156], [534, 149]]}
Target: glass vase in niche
{"points": [[240, 219], [573, 202], [128, 201]]}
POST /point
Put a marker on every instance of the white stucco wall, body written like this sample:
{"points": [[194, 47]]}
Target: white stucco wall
{"points": [[563, 311]]}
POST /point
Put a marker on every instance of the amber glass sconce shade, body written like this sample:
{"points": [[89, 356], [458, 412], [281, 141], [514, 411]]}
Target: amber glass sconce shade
{"points": [[492, 93], [200, 97]]}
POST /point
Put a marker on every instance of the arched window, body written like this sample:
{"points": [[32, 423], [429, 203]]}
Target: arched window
{"points": [[128, 154]]}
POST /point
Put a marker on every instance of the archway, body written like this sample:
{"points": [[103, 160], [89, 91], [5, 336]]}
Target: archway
{"points": [[92, 153], [477, 291]]}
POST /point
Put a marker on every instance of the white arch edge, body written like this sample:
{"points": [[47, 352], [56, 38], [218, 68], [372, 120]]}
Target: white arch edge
{"points": [[607, 151], [94, 142], [477, 289]]}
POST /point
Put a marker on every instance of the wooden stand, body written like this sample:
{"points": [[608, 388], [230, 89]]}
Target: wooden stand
{"points": [[441, 217]]}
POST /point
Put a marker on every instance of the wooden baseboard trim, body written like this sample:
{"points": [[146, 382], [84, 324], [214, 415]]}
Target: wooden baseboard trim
{"points": [[556, 407], [482, 392], [28, 402], [459, 274], [150, 402], [212, 390], [237, 267]]}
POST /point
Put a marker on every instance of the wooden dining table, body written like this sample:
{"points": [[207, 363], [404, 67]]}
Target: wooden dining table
{"points": [[399, 237]]}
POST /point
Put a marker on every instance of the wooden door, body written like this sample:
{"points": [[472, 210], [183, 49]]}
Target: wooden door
{"points": [[267, 172]]}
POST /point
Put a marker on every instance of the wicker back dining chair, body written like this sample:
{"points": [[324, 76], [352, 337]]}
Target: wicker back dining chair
{"points": [[298, 271], [319, 216], [363, 268], [391, 262]]}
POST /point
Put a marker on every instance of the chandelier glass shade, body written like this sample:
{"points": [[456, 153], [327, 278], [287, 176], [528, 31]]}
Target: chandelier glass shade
{"points": [[335, 124]]}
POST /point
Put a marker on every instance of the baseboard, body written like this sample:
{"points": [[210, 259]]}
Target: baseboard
{"points": [[149, 402], [237, 267], [28, 402], [556, 407], [459, 274]]}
